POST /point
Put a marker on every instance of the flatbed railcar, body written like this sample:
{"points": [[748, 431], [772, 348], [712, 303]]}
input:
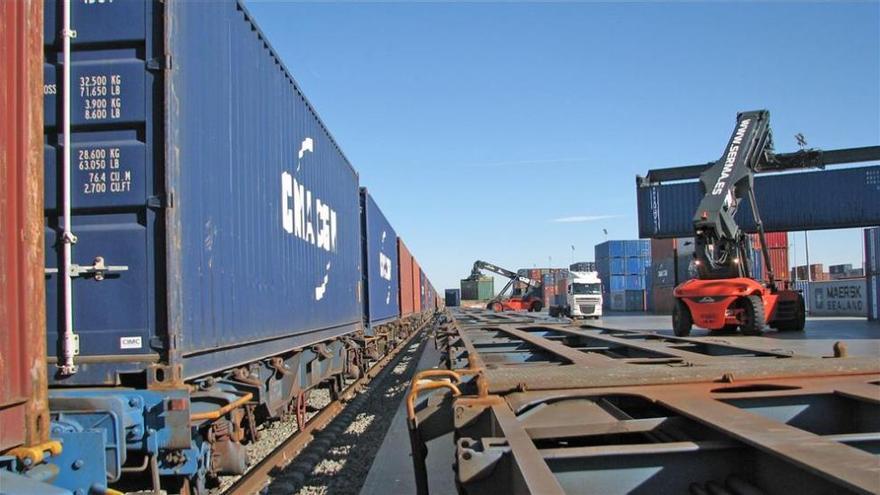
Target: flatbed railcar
{"points": [[220, 259], [547, 406]]}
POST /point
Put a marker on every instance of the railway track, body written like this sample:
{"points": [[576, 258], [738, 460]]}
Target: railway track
{"points": [[260, 474]]}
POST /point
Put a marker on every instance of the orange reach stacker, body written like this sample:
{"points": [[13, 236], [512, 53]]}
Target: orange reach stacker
{"points": [[724, 296], [527, 299]]}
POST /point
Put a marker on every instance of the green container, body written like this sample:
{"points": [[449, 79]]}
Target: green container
{"points": [[469, 290], [482, 289], [486, 288]]}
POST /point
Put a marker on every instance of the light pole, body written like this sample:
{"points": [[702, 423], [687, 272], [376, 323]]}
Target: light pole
{"points": [[807, 251]]}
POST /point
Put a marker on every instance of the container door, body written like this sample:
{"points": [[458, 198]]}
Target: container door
{"points": [[115, 196]]}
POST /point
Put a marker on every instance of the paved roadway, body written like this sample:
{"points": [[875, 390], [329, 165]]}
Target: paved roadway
{"points": [[861, 336]]}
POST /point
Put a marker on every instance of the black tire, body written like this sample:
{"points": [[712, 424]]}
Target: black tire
{"points": [[800, 319], [682, 321], [536, 307], [553, 312], [753, 316]]}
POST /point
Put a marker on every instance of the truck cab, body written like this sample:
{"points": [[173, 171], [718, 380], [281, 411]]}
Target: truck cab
{"points": [[583, 296]]}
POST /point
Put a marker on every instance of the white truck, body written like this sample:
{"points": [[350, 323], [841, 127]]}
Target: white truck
{"points": [[583, 296]]}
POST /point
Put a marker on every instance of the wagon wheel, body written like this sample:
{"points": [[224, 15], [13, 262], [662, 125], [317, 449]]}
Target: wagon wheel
{"points": [[302, 400]]}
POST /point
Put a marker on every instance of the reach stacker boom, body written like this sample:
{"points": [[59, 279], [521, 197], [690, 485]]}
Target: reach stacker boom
{"points": [[527, 299]]}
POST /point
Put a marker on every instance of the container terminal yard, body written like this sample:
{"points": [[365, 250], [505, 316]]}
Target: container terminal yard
{"points": [[201, 295]]}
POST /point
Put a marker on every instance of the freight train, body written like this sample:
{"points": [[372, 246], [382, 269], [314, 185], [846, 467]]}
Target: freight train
{"points": [[186, 250]]}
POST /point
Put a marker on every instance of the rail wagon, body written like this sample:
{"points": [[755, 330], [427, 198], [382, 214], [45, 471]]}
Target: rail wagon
{"points": [[209, 256]]}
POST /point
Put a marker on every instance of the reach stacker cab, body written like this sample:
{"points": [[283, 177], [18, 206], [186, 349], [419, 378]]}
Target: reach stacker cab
{"points": [[724, 296]]}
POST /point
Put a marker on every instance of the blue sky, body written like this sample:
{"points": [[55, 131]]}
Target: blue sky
{"points": [[479, 126]]}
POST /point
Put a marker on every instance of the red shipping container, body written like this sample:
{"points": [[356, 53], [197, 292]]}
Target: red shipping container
{"points": [[773, 239], [776, 239], [662, 248], [779, 258], [416, 286], [561, 286], [405, 277], [549, 295], [24, 415]]}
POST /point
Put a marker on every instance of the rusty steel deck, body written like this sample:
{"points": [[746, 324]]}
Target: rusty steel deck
{"points": [[547, 406]]}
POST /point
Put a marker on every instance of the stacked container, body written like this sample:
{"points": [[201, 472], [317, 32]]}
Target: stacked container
{"points": [[777, 246], [839, 271], [553, 283], [548, 284], [815, 273], [671, 264], [583, 266], [872, 272], [624, 267]]}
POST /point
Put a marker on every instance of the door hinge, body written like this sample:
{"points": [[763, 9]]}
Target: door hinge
{"points": [[159, 63], [161, 201], [157, 343]]}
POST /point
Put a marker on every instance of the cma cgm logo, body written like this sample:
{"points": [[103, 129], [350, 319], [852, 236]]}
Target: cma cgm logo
{"points": [[384, 266], [384, 262], [304, 214]]}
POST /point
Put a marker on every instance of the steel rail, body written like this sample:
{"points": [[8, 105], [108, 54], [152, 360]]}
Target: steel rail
{"points": [[256, 478]]}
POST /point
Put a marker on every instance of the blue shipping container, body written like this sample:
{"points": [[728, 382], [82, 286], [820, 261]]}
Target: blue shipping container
{"points": [[635, 282], [628, 300], [757, 264], [872, 251], [453, 297], [873, 293], [638, 248], [200, 167], [610, 249], [380, 264], [803, 287], [635, 266], [792, 201], [618, 266], [617, 283]]}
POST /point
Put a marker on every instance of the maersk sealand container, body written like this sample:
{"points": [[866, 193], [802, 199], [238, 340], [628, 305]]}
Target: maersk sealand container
{"points": [[380, 265], [206, 181]]}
